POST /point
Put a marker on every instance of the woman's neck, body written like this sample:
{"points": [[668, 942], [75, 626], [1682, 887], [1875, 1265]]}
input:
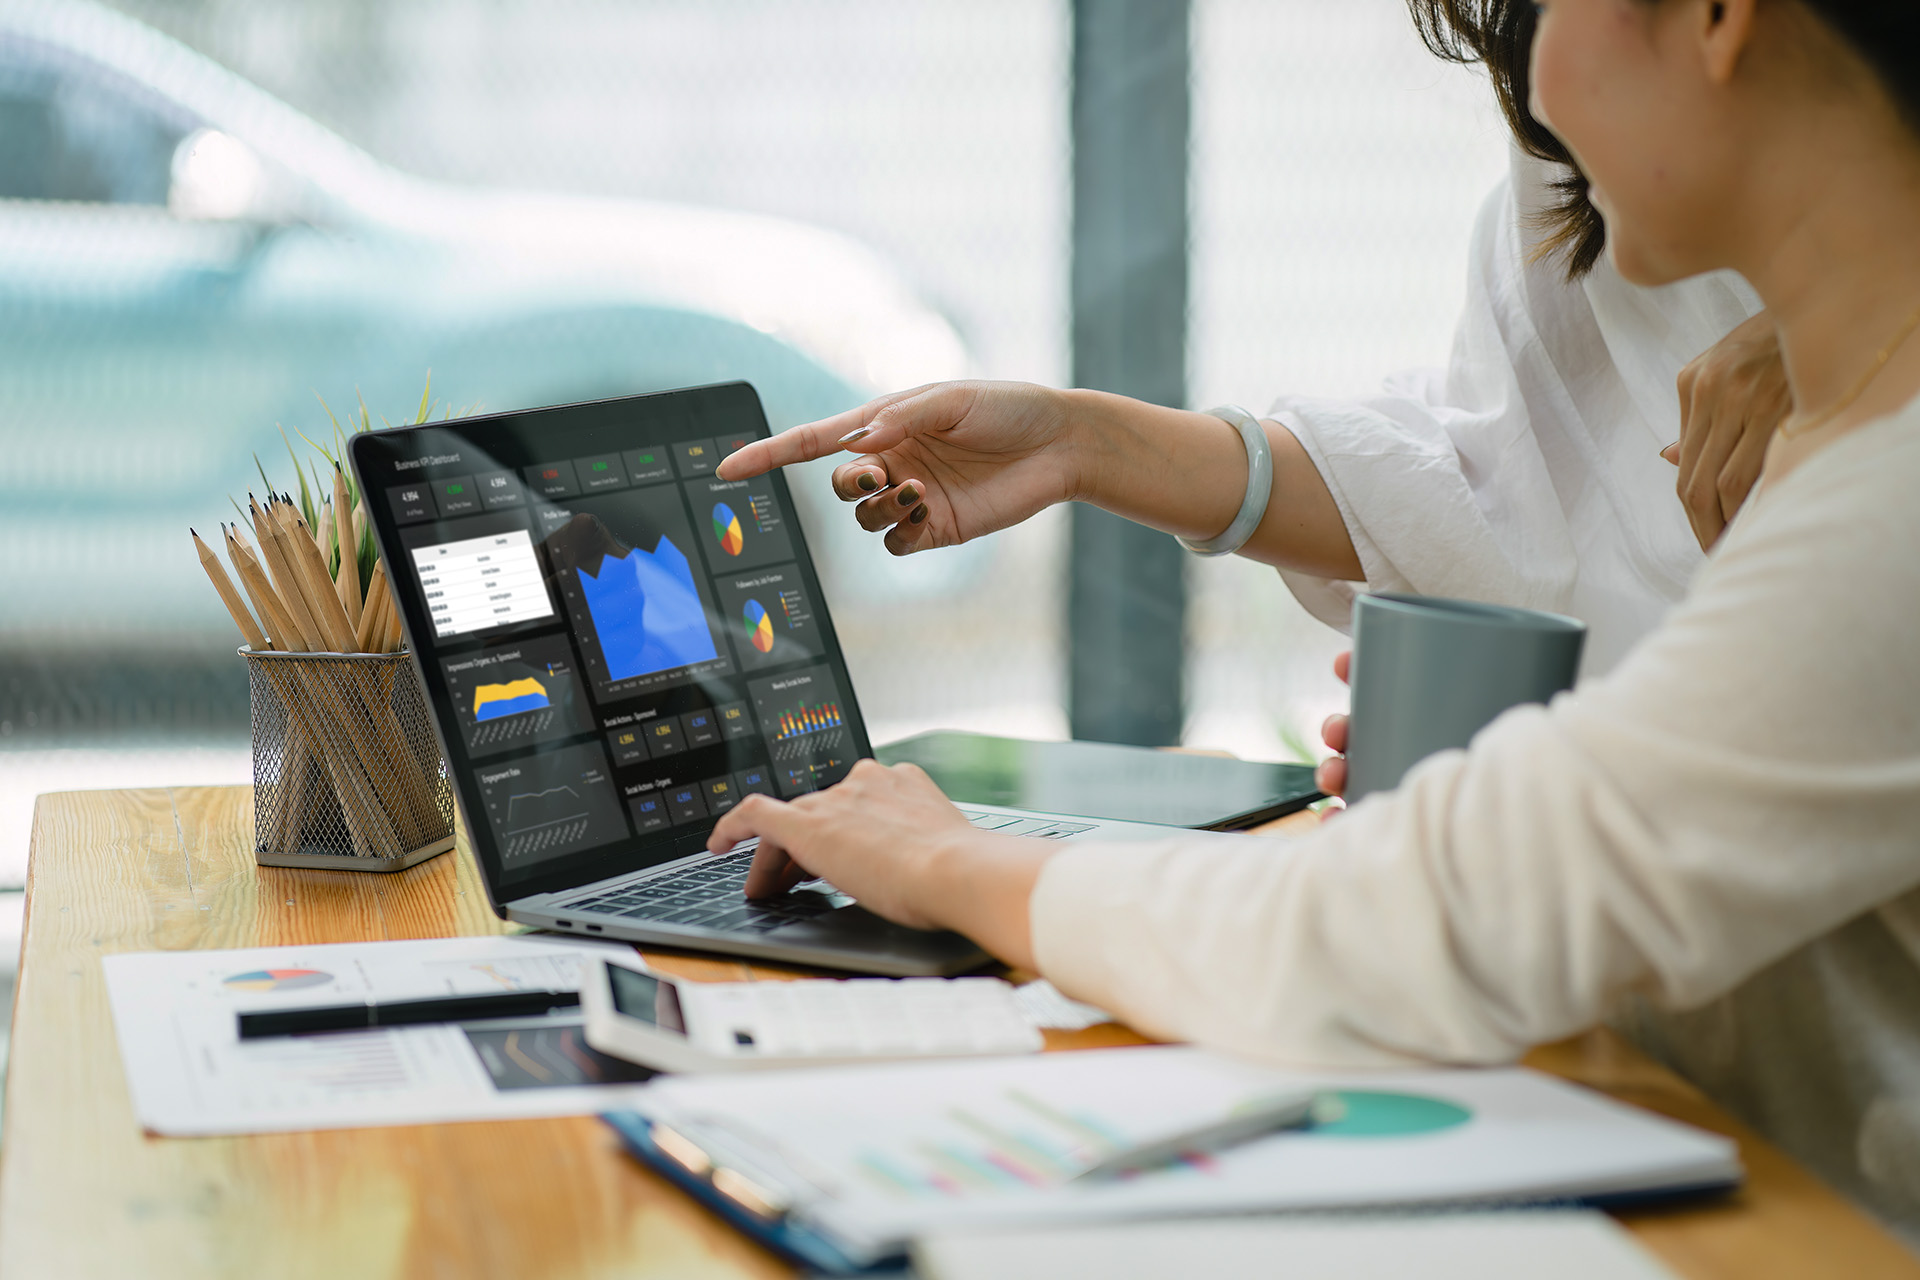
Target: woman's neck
{"points": [[1839, 269]]}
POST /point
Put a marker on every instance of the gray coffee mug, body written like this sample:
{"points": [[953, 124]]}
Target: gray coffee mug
{"points": [[1429, 673]]}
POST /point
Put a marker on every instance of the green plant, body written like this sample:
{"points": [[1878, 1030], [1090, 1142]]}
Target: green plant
{"points": [[316, 502]]}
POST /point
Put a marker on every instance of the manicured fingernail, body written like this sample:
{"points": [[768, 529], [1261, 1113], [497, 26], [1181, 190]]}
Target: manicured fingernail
{"points": [[857, 433], [919, 514], [868, 482], [908, 496]]}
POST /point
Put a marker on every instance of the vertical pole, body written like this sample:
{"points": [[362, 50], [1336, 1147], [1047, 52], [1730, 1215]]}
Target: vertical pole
{"points": [[1126, 600]]}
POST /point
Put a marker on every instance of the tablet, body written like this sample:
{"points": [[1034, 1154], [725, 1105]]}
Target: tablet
{"points": [[1105, 780]]}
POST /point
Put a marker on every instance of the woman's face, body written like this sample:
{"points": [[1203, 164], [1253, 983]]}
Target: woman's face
{"points": [[1623, 83]]}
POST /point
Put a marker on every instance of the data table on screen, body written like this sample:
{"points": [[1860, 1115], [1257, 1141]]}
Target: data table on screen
{"points": [[483, 582]]}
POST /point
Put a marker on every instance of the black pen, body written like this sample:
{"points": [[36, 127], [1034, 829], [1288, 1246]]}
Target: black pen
{"points": [[399, 1013]]}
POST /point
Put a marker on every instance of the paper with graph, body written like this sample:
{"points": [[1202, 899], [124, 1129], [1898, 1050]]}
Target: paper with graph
{"points": [[190, 1074], [875, 1155]]}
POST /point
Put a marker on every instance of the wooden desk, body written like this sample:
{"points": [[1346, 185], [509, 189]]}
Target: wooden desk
{"points": [[84, 1193]]}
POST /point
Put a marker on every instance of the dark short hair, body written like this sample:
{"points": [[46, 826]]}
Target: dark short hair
{"points": [[1499, 35]]}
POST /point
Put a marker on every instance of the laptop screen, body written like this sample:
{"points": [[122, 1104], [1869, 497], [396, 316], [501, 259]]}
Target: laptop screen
{"points": [[618, 645]]}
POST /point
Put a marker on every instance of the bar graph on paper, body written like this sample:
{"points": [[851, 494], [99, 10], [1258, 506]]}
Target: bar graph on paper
{"points": [[1015, 1141]]}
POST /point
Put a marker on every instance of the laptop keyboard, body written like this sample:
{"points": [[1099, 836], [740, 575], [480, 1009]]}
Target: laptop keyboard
{"points": [[710, 894], [1013, 824]]}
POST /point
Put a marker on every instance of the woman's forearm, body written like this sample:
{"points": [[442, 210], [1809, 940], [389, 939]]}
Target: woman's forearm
{"points": [[1186, 473], [980, 885]]}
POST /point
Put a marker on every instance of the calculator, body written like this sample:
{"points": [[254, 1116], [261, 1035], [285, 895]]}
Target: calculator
{"points": [[657, 1021]]}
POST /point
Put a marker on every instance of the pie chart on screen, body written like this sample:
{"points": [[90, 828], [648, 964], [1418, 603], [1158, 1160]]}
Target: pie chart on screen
{"points": [[726, 527], [759, 626], [277, 980]]}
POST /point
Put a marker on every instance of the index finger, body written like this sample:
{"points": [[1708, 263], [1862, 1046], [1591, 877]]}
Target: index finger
{"points": [[803, 443], [756, 815]]}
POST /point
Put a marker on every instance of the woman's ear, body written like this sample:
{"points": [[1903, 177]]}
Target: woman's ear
{"points": [[1726, 28]]}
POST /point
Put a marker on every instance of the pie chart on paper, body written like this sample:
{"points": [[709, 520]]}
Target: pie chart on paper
{"points": [[759, 626], [726, 528], [277, 980]]}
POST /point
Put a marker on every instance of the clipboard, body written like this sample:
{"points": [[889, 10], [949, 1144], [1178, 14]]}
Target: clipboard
{"points": [[840, 1169], [793, 1241]]}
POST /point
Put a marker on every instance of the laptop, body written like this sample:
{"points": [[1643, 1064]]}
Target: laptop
{"points": [[617, 647]]}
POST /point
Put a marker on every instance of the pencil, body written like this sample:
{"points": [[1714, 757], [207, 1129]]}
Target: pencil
{"points": [[323, 535], [312, 567], [346, 578], [296, 545], [267, 529], [261, 592], [396, 634], [377, 593], [256, 639]]}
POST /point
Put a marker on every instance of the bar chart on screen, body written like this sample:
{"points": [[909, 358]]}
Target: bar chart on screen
{"points": [[806, 730]]}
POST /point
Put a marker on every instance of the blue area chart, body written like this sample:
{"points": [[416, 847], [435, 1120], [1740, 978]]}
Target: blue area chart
{"points": [[647, 613]]}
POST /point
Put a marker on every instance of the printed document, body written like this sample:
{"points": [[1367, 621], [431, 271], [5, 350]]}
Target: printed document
{"points": [[191, 1074]]}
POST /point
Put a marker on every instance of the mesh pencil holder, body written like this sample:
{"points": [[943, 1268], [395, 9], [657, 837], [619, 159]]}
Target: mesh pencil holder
{"points": [[347, 772]]}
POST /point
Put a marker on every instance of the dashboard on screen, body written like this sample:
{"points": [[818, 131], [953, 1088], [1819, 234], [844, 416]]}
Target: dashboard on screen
{"points": [[619, 645]]}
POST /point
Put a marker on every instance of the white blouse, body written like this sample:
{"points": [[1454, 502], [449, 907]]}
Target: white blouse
{"points": [[1529, 472], [1732, 815]]}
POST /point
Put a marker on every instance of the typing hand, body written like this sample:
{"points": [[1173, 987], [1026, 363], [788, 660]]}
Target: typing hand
{"points": [[1331, 776], [937, 465], [872, 836], [889, 838], [1732, 396]]}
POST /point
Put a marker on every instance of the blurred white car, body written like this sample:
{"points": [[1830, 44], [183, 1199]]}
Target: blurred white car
{"points": [[185, 261]]}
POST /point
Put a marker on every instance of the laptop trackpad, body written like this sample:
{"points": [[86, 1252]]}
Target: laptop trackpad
{"points": [[856, 927]]}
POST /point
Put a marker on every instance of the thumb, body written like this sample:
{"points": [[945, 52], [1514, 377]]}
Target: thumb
{"points": [[1672, 453]]}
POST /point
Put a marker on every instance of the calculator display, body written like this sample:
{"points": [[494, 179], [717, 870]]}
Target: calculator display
{"points": [[646, 999]]}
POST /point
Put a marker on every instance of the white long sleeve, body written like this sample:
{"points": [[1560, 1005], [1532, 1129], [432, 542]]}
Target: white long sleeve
{"points": [[1745, 782], [1529, 473]]}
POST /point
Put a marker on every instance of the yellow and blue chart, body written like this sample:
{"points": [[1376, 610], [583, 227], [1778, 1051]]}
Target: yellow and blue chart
{"points": [[759, 626], [726, 528], [491, 701], [512, 694]]}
